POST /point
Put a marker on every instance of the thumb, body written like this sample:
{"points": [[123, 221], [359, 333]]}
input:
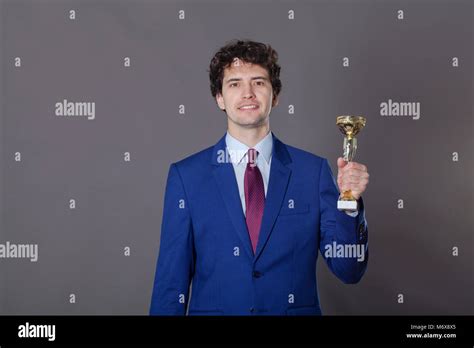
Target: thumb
{"points": [[341, 163]]}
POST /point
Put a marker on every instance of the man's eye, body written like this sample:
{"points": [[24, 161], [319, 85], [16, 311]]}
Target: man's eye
{"points": [[260, 83], [233, 84]]}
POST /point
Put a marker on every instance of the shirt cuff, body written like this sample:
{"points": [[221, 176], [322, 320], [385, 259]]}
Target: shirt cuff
{"points": [[353, 214]]}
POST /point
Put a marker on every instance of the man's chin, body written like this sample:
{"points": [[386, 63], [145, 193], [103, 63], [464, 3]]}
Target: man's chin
{"points": [[251, 123]]}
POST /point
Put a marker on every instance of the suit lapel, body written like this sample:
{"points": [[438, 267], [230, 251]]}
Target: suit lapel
{"points": [[225, 178], [277, 186]]}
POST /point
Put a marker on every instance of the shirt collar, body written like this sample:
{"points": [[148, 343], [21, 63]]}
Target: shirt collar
{"points": [[264, 147]]}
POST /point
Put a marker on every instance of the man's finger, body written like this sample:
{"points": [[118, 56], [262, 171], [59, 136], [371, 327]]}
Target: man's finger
{"points": [[341, 163], [358, 166]]}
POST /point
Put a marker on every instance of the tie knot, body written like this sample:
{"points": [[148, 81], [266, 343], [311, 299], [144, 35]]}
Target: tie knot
{"points": [[252, 156]]}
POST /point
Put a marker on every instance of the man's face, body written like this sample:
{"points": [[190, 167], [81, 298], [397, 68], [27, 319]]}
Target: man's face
{"points": [[247, 94]]}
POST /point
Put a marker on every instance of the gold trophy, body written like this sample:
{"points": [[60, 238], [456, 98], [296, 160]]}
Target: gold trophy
{"points": [[350, 126]]}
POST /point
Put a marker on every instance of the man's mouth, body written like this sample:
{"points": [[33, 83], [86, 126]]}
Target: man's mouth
{"points": [[249, 107]]}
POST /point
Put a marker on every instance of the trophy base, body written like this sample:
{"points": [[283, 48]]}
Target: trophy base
{"points": [[347, 205]]}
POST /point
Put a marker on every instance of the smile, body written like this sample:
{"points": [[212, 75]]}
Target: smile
{"points": [[249, 107]]}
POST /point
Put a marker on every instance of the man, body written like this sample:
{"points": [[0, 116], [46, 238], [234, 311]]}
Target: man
{"points": [[243, 220]]}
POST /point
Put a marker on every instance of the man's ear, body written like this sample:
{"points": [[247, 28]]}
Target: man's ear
{"points": [[275, 101], [220, 101]]}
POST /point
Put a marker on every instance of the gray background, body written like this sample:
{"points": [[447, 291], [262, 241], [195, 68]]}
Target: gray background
{"points": [[119, 204]]}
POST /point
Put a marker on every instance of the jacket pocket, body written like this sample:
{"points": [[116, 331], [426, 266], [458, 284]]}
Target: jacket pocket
{"points": [[306, 310]]}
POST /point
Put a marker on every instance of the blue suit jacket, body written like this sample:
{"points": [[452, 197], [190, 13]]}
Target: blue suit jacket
{"points": [[204, 238]]}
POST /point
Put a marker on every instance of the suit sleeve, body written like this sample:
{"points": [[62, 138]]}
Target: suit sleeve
{"points": [[175, 265], [341, 230]]}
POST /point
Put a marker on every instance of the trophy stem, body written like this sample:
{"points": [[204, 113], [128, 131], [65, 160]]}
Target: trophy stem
{"points": [[349, 148]]}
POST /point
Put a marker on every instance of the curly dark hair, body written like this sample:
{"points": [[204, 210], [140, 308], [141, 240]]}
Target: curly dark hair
{"points": [[249, 52]]}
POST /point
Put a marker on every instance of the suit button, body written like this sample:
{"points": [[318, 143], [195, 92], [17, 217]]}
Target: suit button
{"points": [[256, 274]]}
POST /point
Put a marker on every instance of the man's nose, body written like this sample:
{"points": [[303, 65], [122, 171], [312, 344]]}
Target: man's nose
{"points": [[248, 91]]}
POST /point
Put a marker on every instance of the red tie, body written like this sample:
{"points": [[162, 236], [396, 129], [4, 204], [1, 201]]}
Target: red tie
{"points": [[254, 197]]}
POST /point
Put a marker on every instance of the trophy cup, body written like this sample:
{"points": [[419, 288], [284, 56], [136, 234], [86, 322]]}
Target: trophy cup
{"points": [[350, 126]]}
